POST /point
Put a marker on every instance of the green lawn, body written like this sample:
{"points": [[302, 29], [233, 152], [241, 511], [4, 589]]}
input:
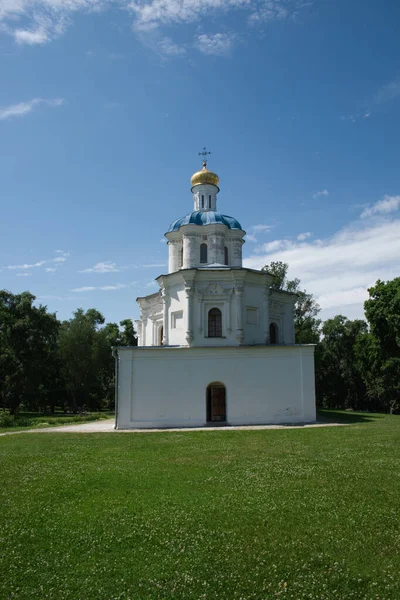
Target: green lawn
{"points": [[26, 420], [235, 515]]}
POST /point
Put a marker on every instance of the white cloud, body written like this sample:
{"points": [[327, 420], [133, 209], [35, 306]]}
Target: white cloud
{"points": [[166, 47], [262, 228], [26, 266], [103, 267], [50, 270], [50, 297], [256, 230], [339, 269], [103, 288], [389, 91], [150, 266], [219, 44], [25, 36], [23, 274], [40, 263], [383, 207], [303, 236], [23, 108], [251, 237], [36, 22], [354, 118], [321, 193]]}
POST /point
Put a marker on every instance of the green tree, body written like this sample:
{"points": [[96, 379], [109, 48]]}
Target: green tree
{"points": [[379, 355], [339, 380], [81, 352], [307, 325], [28, 338]]}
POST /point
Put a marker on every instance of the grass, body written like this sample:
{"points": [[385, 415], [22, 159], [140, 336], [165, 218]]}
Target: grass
{"points": [[26, 420], [234, 515]]}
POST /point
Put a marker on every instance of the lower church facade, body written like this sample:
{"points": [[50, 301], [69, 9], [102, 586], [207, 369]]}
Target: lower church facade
{"points": [[216, 343], [195, 387]]}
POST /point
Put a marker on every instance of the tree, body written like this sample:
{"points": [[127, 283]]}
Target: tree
{"points": [[339, 380], [306, 308], [379, 355], [28, 338], [81, 350]]}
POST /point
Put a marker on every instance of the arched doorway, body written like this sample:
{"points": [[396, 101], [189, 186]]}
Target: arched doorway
{"points": [[216, 403], [273, 333]]}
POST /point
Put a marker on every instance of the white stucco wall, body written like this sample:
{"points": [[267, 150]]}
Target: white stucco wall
{"points": [[166, 387]]}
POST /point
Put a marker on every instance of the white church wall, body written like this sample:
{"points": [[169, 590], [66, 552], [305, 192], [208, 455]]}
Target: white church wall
{"points": [[166, 387]]}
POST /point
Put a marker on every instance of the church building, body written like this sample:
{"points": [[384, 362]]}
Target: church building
{"points": [[216, 344]]}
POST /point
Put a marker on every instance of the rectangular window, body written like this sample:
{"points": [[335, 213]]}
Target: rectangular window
{"points": [[177, 320], [251, 315], [209, 201], [202, 202]]}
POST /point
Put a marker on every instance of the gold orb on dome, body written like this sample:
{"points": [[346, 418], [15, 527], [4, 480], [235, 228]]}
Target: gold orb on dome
{"points": [[204, 176]]}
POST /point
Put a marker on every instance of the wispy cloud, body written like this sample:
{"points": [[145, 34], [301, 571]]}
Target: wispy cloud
{"points": [[388, 92], [339, 269], [50, 270], [150, 14], [150, 266], [219, 44], [354, 118], [37, 22], [256, 230], [23, 274], [166, 47], [40, 263], [24, 108], [321, 194], [385, 206], [303, 236], [103, 267], [262, 228], [51, 297], [103, 288]]}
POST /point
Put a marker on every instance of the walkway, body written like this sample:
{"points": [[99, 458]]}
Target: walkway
{"points": [[107, 426]]}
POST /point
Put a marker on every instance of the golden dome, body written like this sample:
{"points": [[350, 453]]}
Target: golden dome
{"points": [[204, 176]]}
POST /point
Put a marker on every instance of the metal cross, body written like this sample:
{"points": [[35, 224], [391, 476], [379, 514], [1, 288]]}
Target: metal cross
{"points": [[204, 154]]}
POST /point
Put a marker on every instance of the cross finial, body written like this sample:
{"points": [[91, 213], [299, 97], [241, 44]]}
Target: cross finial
{"points": [[204, 154]]}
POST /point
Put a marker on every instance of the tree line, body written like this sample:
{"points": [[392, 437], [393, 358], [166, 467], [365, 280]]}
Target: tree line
{"points": [[357, 363], [47, 363]]}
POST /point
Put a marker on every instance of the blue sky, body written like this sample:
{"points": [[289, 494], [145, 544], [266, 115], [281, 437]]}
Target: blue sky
{"points": [[105, 105]]}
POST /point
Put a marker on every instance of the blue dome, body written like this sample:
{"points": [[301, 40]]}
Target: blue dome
{"points": [[205, 217]]}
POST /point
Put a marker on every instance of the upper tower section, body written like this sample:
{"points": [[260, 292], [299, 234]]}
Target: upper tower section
{"points": [[205, 189], [204, 238]]}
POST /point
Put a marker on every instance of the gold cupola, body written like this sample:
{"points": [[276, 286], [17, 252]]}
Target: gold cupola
{"points": [[204, 177]]}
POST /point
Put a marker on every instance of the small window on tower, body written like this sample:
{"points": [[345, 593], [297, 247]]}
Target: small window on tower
{"points": [[202, 202], [181, 257], [209, 201], [203, 253], [226, 255]]}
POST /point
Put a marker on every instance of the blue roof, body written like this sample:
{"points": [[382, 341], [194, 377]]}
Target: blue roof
{"points": [[205, 217]]}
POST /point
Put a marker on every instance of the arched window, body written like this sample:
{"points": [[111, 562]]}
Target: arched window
{"points": [[203, 253], [209, 201], [214, 323], [226, 255], [202, 202], [216, 402], [273, 333], [181, 257]]}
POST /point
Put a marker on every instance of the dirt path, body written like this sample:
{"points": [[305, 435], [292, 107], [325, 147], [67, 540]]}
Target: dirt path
{"points": [[107, 426]]}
